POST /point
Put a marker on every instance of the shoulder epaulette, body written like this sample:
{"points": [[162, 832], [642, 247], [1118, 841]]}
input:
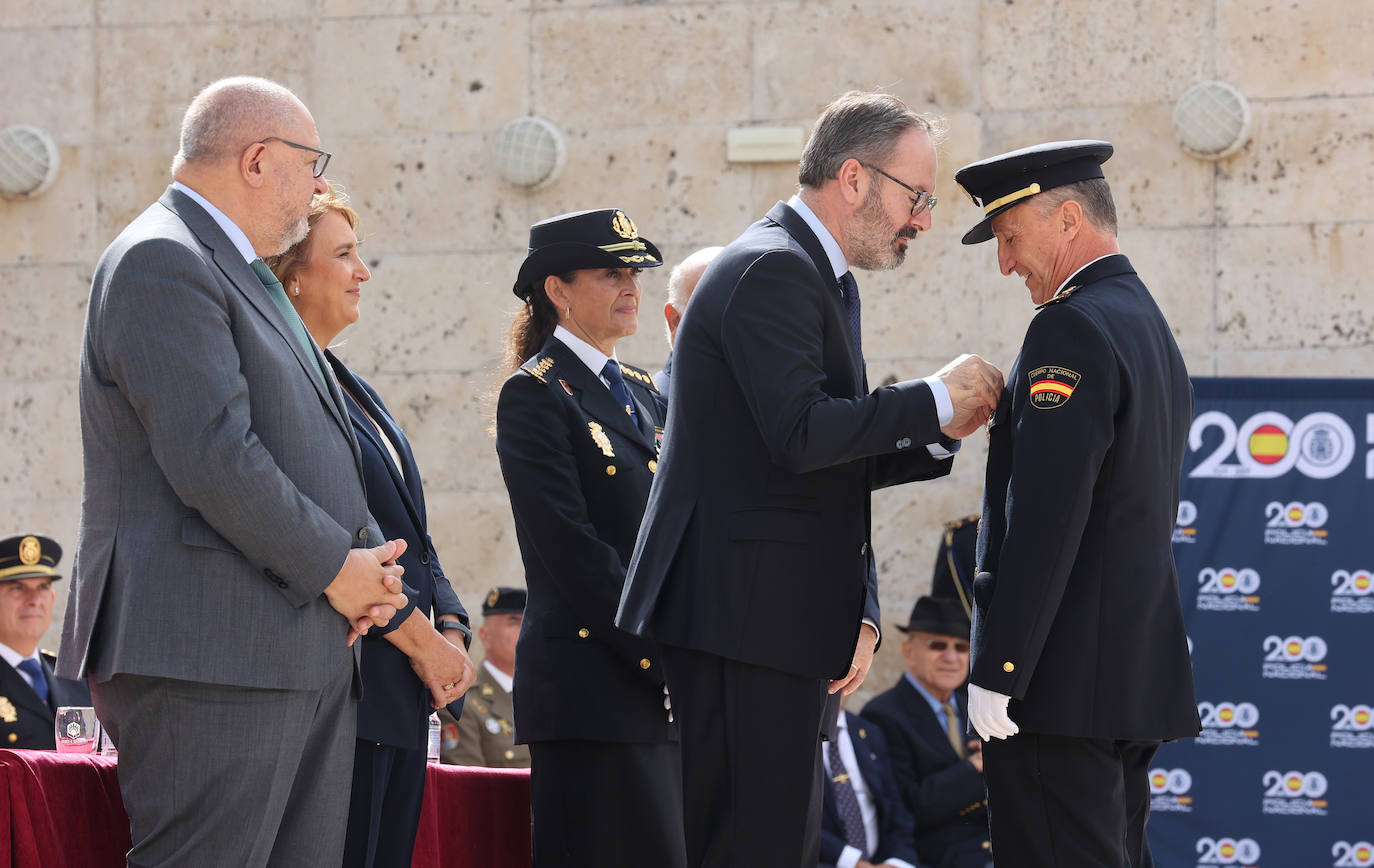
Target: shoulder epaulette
{"points": [[538, 366], [641, 377], [1058, 298]]}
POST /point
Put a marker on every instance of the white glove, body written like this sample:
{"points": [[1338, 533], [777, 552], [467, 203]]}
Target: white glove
{"points": [[668, 703], [987, 711]]}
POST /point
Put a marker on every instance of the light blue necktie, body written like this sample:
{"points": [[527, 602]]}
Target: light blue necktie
{"points": [[293, 319], [31, 668]]}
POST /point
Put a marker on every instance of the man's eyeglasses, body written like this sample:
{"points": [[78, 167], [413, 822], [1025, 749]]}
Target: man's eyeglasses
{"points": [[923, 199], [322, 160], [939, 645]]}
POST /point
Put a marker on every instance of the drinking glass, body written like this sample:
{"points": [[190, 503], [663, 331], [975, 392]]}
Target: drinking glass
{"points": [[76, 729]]}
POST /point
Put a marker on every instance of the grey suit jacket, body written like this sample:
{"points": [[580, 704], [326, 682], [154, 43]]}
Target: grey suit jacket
{"points": [[223, 486]]}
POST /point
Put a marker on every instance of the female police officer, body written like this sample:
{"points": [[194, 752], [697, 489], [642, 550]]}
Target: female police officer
{"points": [[577, 434]]}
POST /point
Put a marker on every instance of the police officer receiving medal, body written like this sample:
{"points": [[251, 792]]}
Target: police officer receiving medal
{"points": [[29, 692], [1080, 663], [577, 434]]}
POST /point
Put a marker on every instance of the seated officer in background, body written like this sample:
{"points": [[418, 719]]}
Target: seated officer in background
{"points": [[924, 717], [953, 574], [863, 821], [483, 736], [29, 692]]}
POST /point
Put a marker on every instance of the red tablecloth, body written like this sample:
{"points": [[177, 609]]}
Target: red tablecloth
{"points": [[64, 811]]}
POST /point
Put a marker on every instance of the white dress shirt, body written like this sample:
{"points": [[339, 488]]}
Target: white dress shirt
{"points": [[593, 358], [507, 682], [14, 658], [851, 855], [236, 235]]}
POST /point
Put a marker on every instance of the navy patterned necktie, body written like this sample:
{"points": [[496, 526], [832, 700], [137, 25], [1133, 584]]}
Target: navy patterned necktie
{"points": [[849, 288], [293, 319], [35, 672], [846, 800], [611, 372]]}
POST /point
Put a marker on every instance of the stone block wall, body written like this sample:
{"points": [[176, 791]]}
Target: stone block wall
{"points": [[1261, 260]]}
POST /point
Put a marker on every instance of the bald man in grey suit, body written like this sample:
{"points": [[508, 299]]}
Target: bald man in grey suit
{"points": [[226, 559]]}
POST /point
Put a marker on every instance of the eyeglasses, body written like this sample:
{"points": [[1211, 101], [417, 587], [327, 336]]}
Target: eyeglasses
{"points": [[321, 161], [939, 645], [923, 199]]}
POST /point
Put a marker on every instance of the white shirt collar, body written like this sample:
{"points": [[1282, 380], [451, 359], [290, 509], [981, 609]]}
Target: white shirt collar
{"points": [[1065, 284], [501, 678], [13, 657], [828, 242], [230, 228], [593, 358]]}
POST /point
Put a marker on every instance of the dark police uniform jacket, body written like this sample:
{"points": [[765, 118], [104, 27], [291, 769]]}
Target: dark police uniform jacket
{"points": [[1077, 614], [25, 720], [944, 793], [578, 468], [395, 706]]}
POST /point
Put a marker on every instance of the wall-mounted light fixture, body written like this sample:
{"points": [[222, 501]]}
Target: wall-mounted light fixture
{"points": [[530, 152], [28, 162], [1212, 120]]}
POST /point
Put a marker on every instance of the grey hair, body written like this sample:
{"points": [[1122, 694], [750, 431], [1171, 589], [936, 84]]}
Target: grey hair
{"points": [[1094, 195], [676, 278], [864, 126], [231, 114]]}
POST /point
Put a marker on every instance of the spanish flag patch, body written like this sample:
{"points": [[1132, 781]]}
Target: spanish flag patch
{"points": [[1052, 386]]}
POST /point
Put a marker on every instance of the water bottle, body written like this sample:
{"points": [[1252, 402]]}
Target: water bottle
{"points": [[435, 736]]}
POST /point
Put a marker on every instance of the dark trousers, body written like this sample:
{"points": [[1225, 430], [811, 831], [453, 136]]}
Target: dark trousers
{"points": [[751, 768], [240, 777], [384, 811], [606, 805], [1059, 802]]}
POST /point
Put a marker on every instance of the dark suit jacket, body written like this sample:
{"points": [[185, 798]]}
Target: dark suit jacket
{"points": [[1077, 614], [894, 821], [395, 706], [222, 483], [578, 471], [755, 541], [944, 793], [25, 720]]}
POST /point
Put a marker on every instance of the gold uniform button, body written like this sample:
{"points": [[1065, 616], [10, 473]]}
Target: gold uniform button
{"points": [[987, 845], [1009, 666], [610, 470], [653, 466], [13, 738], [644, 663], [510, 754], [583, 633]]}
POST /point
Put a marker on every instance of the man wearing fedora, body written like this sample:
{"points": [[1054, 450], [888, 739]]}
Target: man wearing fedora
{"points": [[29, 691], [485, 734], [939, 770], [1080, 660]]}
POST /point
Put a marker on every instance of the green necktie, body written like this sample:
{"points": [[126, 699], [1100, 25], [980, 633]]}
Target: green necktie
{"points": [[293, 319]]}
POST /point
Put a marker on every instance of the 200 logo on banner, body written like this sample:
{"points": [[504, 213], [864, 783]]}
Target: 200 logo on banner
{"points": [[1352, 592], [1226, 589], [1228, 851], [1295, 657], [1228, 723], [1269, 444], [1294, 794], [1359, 854], [1352, 726]]}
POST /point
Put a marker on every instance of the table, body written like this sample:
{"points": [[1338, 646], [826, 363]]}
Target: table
{"points": [[64, 811]]}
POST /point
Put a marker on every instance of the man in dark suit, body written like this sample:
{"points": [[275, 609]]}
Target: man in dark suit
{"points": [[1078, 636], [752, 563], [863, 821], [923, 716], [29, 691], [226, 560]]}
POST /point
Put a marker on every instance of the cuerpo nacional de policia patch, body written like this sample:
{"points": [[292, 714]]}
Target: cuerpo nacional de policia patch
{"points": [[1052, 386]]}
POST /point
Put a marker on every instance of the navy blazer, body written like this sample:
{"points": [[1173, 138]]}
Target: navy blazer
{"points": [[759, 519], [395, 706], [25, 720], [578, 471], [945, 794], [894, 821]]}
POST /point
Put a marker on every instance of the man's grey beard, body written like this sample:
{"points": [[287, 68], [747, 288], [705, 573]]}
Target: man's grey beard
{"points": [[293, 234], [871, 244]]}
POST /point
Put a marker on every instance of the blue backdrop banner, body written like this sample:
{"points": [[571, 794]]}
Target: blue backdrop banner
{"points": [[1275, 553]]}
